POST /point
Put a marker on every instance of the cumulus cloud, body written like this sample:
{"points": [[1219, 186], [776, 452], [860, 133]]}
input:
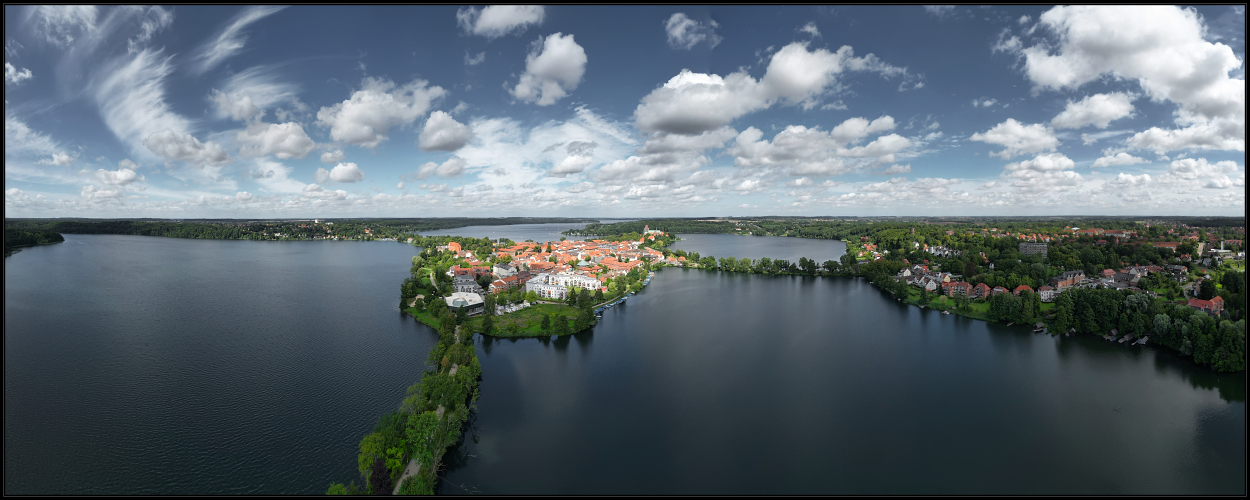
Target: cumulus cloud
{"points": [[897, 169], [1098, 110], [684, 33], [498, 20], [174, 145], [1164, 49], [552, 69], [285, 140], [1018, 138], [241, 110], [450, 168], [231, 40], [260, 86], [1208, 175], [14, 76], [1119, 159], [119, 177], [94, 194], [443, 133], [1124, 180], [60, 24], [243, 196], [692, 103], [316, 191], [61, 159], [984, 102], [365, 118], [471, 60], [343, 172], [1044, 173], [332, 156], [810, 151]]}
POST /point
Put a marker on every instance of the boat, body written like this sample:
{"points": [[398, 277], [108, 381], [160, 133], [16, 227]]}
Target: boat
{"points": [[946, 312]]}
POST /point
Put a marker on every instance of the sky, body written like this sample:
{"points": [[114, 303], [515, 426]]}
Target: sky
{"points": [[623, 111]]}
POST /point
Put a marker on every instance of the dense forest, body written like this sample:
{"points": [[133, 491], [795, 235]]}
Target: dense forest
{"points": [[15, 238]]}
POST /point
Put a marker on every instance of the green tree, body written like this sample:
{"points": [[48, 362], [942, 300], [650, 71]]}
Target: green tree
{"points": [[546, 323]]}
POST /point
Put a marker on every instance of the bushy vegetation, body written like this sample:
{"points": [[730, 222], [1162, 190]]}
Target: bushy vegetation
{"points": [[16, 238]]}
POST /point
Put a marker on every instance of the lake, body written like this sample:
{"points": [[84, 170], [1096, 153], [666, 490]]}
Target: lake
{"points": [[145, 365], [141, 365]]}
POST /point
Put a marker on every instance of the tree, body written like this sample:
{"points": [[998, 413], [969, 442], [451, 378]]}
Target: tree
{"points": [[1206, 290], [847, 260], [546, 324], [372, 449]]}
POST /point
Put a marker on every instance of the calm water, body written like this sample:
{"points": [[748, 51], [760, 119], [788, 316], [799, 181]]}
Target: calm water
{"points": [[757, 247], [154, 365], [145, 365], [724, 383]]}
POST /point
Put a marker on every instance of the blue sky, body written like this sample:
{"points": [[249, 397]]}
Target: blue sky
{"points": [[416, 111]]}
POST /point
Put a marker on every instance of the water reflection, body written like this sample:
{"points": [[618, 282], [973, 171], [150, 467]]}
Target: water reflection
{"points": [[745, 384]]}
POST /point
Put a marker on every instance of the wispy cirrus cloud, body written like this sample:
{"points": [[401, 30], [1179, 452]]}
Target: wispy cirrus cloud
{"points": [[231, 40]]}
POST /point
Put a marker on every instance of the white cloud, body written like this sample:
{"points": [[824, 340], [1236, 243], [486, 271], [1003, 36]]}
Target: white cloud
{"points": [[60, 24], [692, 103], [443, 133], [332, 156], [243, 196], [94, 194], [1007, 44], [474, 60], [231, 40], [286, 140], [131, 99], [498, 20], [1164, 49], [274, 177], [984, 102], [941, 11], [451, 168], [59, 159], [12, 75], [1023, 20], [316, 191], [19, 139], [154, 19], [400, 185], [241, 110], [1119, 159], [810, 28], [1204, 136], [1043, 163], [552, 69], [248, 93], [1124, 180], [897, 169], [365, 118], [809, 151], [343, 172], [684, 33], [1018, 138], [1208, 175], [183, 147], [1098, 110], [119, 177]]}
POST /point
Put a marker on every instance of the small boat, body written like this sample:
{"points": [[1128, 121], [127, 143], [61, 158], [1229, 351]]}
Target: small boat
{"points": [[1012, 323], [946, 312]]}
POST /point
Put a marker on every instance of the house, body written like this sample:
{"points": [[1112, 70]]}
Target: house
{"points": [[503, 270], [997, 290], [959, 288], [1022, 288], [1212, 307], [1047, 293], [466, 283], [980, 291]]}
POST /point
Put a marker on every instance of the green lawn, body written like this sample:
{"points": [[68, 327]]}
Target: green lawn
{"points": [[528, 321]]}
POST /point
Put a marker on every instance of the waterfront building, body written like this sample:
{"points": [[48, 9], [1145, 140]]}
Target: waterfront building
{"points": [[472, 303]]}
